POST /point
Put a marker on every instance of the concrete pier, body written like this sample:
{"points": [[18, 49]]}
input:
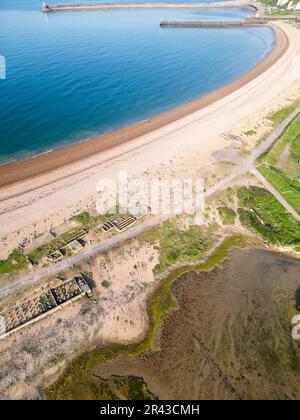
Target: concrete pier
{"points": [[267, 19], [249, 21], [201, 23]]}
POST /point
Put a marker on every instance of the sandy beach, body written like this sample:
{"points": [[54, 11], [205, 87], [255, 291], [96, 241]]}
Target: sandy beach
{"points": [[52, 187]]}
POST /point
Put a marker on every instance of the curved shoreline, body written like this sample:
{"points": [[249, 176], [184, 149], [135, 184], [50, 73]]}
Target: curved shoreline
{"points": [[18, 171]]}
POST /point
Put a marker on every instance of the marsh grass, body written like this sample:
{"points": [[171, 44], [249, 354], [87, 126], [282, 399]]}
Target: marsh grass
{"points": [[78, 380]]}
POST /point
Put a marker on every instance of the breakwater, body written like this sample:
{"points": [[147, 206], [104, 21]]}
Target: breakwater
{"points": [[248, 21], [267, 19], [105, 6], [202, 23]]}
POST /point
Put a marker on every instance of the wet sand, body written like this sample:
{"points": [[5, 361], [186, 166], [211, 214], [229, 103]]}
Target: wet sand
{"points": [[42, 164], [229, 339]]}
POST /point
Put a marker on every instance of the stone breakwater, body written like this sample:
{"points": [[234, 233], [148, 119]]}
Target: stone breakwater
{"points": [[105, 6]]}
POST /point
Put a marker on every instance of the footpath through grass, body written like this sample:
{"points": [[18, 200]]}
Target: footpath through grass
{"points": [[261, 213], [288, 188], [281, 164], [290, 136]]}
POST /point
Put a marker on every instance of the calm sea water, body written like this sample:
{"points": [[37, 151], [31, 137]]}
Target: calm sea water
{"points": [[73, 75]]}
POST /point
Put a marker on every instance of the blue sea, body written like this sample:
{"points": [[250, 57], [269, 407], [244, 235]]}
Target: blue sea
{"points": [[73, 75]]}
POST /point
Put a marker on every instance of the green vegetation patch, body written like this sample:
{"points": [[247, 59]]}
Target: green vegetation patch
{"points": [[15, 262], [295, 146], [178, 245], [282, 114], [281, 165], [291, 135], [288, 188], [280, 10], [89, 221], [86, 219], [134, 388], [181, 246], [250, 133], [264, 215], [121, 387], [227, 215]]}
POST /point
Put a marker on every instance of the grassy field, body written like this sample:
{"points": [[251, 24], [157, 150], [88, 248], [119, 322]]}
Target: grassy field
{"points": [[291, 136], [281, 165], [295, 147], [261, 213], [288, 188]]}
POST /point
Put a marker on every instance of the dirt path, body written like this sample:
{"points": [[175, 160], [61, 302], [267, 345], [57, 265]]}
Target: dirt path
{"points": [[276, 194]]}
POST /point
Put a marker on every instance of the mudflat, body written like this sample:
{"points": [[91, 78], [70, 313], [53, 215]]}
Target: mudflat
{"points": [[230, 337]]}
